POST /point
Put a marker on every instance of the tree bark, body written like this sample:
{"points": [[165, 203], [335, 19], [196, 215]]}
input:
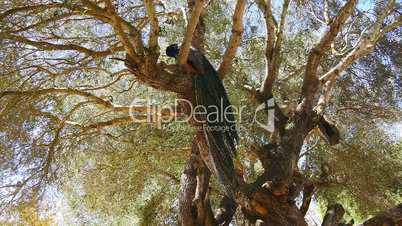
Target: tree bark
{"points": [[308, 192], [226, 210], [334, 215], [194, 203], [265, 208], [188, 184], [270, 199], [390, 217]]}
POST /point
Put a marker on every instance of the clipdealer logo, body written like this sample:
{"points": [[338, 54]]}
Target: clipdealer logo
{"points": [[142, 110]]}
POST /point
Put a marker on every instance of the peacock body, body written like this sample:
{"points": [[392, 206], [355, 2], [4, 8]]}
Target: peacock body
{"points": [[219, 127]]}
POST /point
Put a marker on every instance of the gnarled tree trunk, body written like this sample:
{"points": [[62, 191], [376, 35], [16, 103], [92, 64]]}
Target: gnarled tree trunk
{"points": [[270, 200]]}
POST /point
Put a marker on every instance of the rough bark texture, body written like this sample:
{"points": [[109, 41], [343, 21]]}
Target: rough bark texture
{"points": [[188, 184], [270, 199], [196, 199], [194, 204], [226, 210], [390, 217], [308, 192], [334, 215], [266, 208]]}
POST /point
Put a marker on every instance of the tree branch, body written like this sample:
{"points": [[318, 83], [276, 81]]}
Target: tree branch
{"points": [[326, 12], [308, 193], [392, 216], [69, 91], [109, 15], [396, 23], [29, 8], [311, 82], [237, 31], [226, 210], [266, 8], [153, 34], [185, 46], [365, 45], [114, 122], [128, 47], [139, 119], [164, 77], [272, 48], [52, 47], [43, 22], [194, 204]]}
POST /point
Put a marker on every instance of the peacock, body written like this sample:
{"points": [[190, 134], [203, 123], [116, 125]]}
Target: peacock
{"points": [[220, 133]]}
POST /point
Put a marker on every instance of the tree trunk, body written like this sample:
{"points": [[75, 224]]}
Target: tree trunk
{"points": [[188, 184], [194, 204], [267, 209], [226, 210]]}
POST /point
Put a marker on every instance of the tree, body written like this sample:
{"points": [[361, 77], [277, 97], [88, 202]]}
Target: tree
{"points": [[63, 75]]}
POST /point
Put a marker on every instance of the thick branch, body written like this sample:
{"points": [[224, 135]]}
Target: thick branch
{"points": [[281, 27], [365, 45], [188, 184], [266, 8], [396, 23], [273, 46], [270, 26], [311, 82], [237, 31], [163, 77], [198, 40], [128, 47], [153, 34], [226, 210], [131, 42], [185, 46], [195, 208], [391, 216], [275, 56]]}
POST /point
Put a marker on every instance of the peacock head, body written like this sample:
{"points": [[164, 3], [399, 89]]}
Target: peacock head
{"points": [[172, 50]]}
